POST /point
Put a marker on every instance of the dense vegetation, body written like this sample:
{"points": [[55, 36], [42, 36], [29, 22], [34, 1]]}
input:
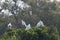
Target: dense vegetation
{"points": [[36, 33], [45, 10]]}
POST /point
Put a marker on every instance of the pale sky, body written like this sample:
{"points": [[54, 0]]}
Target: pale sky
{"points": [[56, 0], [51, 0]]}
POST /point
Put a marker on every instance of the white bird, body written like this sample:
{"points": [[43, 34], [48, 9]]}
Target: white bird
{"points": [[6, 12], [23, 23], [28, 27], [10, 25], [40, 23], [21, 4]]}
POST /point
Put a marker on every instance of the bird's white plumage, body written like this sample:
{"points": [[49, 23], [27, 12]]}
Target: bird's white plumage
{"points": [[40, 23], [28, 27], [9, 25], [23, 23]]}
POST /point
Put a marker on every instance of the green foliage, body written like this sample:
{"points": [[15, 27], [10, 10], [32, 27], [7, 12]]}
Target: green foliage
{"points": [[48, 12], [36, 33]]}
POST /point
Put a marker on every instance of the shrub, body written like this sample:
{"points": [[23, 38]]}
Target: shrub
{"points": [[36, 33]]}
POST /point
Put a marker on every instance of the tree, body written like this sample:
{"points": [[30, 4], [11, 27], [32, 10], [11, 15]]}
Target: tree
{"points": [[36, 33]]}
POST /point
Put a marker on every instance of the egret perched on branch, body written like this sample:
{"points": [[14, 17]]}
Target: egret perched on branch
{"points": [[10, 25], [23, 23], [28, 27], [40, 23]]}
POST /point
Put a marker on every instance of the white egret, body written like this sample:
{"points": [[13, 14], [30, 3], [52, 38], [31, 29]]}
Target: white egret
{"points": [[10, 25], [23, 23], [40, 23], [28, 27]]}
